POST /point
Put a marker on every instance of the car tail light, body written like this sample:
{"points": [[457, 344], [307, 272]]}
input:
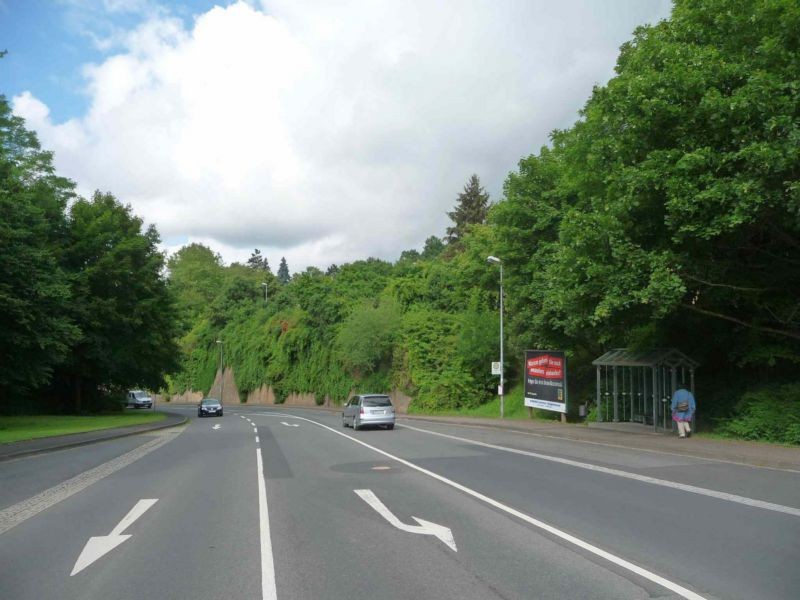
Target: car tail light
{"points": [[362, 411]]}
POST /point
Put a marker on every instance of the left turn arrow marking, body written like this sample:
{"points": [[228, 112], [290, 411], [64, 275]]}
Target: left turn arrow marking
{"points": [[101, 545]]}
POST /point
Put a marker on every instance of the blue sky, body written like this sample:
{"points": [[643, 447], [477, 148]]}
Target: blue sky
{"points": [[321, 131], [49, 42]]}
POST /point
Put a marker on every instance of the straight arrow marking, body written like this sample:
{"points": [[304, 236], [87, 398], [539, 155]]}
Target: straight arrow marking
{"points": [[289, 424], [101, 545], [424, 527]]}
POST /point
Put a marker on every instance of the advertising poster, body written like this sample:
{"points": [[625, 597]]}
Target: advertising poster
{"points": [[546, 380]]}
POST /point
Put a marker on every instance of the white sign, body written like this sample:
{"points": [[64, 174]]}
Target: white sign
{"points": [[499, 390], [496, 368]]}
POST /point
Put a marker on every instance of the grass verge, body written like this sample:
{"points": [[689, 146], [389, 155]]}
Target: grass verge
{"points": [[514, 408], [18, 428]]}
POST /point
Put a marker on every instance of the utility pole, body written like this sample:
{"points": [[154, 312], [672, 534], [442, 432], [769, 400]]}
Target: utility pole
{"points": [[494, 259]]}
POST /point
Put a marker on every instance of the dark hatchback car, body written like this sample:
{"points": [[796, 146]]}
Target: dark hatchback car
{"points": [[209, 407]]}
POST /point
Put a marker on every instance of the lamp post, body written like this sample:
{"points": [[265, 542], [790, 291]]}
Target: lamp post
{"points": [[265, 292], [221, 374], [494, 259]]}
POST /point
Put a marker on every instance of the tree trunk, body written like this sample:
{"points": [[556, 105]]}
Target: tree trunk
{"points": [[76, 393]]}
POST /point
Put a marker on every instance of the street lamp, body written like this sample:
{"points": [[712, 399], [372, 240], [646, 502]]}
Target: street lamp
{"points": [[494, 259], [221, 374], [265, 292]]}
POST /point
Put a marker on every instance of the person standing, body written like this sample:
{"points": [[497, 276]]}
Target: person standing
{"points": [[683, 407]]}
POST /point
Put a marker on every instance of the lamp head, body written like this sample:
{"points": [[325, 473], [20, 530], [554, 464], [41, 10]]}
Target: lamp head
{"points": [[493, 259]]}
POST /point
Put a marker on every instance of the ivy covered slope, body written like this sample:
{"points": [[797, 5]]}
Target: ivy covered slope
{"points": [[668, 215], [416, 325]]}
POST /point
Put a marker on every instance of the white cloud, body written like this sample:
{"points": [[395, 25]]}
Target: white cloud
{"points": [[328, 132]]}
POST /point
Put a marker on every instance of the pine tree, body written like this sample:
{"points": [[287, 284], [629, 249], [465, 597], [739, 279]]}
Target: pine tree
{"points": [[258, 262], [283, 271], [471, 208]]}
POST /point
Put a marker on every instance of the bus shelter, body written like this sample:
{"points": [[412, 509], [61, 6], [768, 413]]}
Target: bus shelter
{"points": [[637, 385]]}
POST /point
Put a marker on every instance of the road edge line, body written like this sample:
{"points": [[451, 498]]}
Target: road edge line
{"points": [[684, 487]]}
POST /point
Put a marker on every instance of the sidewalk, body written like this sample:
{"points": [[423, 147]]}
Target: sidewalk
{"points": [[59, 442], [750, 453]]}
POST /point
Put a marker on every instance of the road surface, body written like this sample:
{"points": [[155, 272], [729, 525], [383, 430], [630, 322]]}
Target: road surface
{"points": [[271, 503]]}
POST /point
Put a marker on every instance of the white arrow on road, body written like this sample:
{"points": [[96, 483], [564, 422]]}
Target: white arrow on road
{"points": [[424, 527], [215, 426], [100, 545], [289, 424]]}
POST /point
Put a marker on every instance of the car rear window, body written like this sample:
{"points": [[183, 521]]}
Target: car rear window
{"points": [[377, 401]]}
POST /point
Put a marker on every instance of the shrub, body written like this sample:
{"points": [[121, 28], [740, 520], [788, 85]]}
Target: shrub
{"points": [[769, 414]]}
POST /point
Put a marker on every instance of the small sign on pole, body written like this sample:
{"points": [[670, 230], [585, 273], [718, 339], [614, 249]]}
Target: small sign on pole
{"points": [[496, 368]]}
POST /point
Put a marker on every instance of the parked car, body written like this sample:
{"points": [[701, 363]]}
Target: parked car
{"points": [[368, 409], [209, 407], [139, 399]]}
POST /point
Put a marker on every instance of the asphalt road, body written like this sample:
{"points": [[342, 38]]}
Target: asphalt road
{"points": [[424, 511]]}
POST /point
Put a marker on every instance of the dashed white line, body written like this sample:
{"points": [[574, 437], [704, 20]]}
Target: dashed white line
{"points": [[257, 440]]}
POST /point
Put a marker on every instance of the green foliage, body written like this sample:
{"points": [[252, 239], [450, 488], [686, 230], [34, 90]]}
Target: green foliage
{"points": [[367, 336], [471, 208], [120, 300], [258, 262], [84, 307], [283, 271], [668, 215], [771, 414], [34, 288]]}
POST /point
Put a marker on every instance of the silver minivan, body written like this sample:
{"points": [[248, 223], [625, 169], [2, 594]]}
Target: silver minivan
{"points": [[368, 409]]}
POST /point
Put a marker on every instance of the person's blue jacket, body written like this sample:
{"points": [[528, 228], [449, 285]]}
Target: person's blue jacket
{"points": [[682, 395]]}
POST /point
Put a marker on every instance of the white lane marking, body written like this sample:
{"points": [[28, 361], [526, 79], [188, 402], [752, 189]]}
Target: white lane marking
{"points": [[795, 512], [100, 545], [17, 513], [257, 440], [424, 528], [612, 558], [215, 427], [610, 445], [268, 590], [289, 424], [255, 429]]}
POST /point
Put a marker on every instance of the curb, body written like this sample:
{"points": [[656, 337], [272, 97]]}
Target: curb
{"points": [[100, 438]]}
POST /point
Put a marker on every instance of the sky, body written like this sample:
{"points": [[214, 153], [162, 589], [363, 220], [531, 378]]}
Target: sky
{"points": [[320, 131]]}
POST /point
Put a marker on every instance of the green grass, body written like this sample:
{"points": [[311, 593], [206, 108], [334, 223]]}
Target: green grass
{"points": [[514, 409], [17, 428]]}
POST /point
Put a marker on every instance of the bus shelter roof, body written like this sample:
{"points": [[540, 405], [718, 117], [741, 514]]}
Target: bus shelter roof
{"points": [[654, 357]]}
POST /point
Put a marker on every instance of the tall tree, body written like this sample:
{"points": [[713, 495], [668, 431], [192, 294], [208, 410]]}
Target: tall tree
{"points": [[471, 207], [433, 247], [121, 302], [35, 329], [669, 212], [283, 271], [258, 262], [196, 278]]}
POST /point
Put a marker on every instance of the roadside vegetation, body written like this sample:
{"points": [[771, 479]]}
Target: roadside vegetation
{"points": [[668, 215], [29, 427]]}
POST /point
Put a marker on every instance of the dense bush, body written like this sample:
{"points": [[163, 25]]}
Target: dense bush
{"points": [[771, 414]]}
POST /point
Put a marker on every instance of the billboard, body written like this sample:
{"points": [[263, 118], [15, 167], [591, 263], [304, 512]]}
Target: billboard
{"points": [[546, 380]]}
